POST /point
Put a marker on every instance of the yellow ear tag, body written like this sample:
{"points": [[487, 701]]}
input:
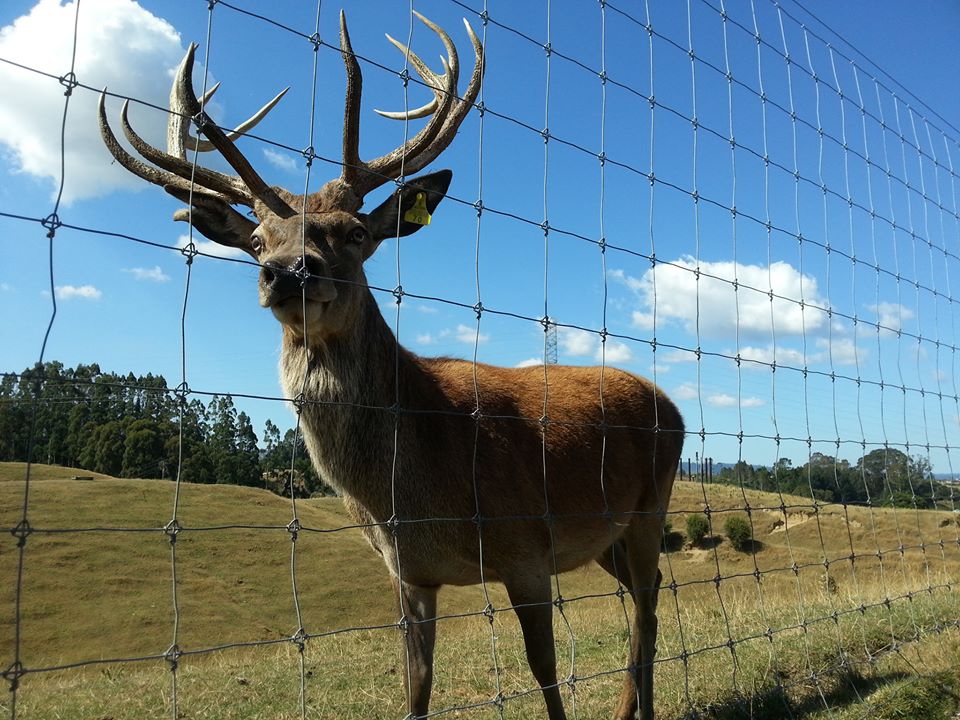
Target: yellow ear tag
{"points": [[418, 213]]}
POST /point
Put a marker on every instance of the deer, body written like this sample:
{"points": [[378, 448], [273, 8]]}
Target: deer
{"points": [[458, 472]]}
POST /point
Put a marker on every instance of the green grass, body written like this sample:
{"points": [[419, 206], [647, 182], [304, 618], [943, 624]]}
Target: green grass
{"points": [[104, 595]]}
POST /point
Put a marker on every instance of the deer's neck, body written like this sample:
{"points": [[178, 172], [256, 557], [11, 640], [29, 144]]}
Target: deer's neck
{"points": [[348, 386]]}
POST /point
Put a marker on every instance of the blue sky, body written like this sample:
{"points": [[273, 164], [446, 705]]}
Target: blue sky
{"points": [[120, 302]]}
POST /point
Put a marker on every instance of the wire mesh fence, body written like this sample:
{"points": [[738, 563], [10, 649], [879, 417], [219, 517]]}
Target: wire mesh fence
{"points": [[721, 198]]}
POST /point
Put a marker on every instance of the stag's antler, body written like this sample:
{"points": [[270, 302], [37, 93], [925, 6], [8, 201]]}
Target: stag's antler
{"points": [[182, 177], [179, 174], [447, 109]]}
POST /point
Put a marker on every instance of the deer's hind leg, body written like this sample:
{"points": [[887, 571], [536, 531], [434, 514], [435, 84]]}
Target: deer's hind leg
{"points": [[633, 560]]}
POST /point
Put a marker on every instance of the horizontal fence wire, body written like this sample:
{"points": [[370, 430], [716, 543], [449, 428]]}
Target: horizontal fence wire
{"points": [[862, 575]]}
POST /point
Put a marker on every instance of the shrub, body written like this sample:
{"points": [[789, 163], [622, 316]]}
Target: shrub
{"points": [[697, 528], [737, 529]]}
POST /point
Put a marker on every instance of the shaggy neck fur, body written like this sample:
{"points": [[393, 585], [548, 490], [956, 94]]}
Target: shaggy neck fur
{"points": [[349, 383]]}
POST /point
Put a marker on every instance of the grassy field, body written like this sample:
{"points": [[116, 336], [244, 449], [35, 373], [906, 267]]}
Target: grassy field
{"points": [[808, 639]]}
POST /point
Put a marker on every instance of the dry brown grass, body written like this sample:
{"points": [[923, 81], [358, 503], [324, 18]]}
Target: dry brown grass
{"points": [[103, 594]]}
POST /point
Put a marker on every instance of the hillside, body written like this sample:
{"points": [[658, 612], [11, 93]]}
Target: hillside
{"points": [[97, 580]]}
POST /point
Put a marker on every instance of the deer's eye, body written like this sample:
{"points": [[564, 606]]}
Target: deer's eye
{"points": [[357, 236], [256, 242]]}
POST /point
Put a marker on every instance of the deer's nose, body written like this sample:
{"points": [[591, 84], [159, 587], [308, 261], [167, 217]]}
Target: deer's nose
{"points": [[281, 278], [284, 277]]}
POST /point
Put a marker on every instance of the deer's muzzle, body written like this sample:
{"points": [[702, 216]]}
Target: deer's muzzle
{"points": [[294, 279]]}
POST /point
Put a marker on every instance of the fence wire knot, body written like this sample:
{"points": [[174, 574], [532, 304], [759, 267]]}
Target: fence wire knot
{"points": [[21, 531], [299, 638], [299, 402], [172, 656], [180, 392], [13, 674], [201, 121], [69, 81], [294, 528], [189, 251], [172, 529], [52, 223]]}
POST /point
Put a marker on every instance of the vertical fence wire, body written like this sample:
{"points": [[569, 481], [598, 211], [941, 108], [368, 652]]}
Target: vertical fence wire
{"points": [[22, 530]]}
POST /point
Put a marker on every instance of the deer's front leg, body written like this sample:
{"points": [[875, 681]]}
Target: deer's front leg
{"points": [[418, 612]]}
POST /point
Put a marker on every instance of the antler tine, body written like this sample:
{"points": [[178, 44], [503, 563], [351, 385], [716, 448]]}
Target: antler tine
{"points": [[433, 81], [232, 187], [352, 166], [456, 116], [256, 188], [241, 129], [138, 168], [420, 152], [363, 177], [179, 140]]}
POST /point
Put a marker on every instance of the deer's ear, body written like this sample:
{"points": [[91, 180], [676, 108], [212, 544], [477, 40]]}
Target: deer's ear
{"points": [[409, 208], [215, 219]]}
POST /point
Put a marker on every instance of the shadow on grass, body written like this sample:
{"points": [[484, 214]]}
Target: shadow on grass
{"points": [[751, 546], [774, 703], [672, 541], [847, 690], [709, 542]]}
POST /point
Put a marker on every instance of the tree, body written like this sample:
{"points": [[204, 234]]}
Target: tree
{"points": [[142, 449], [107, 446], [247, 452]]}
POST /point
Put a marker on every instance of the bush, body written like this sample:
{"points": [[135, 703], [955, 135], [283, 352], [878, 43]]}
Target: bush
{"points": [[737, 529], [698, 527]]}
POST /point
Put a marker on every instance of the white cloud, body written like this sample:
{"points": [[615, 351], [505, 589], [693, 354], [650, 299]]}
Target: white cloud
{"points": [[712, 306], [686, 391], [425, 339], [689, 391], [427, 309], [208, 247], [677, 356], [842, 350], [576, 342], [722, 400], [783, 355], [70, 292], [529, 362], [119, 45], [891, 316], [616, 352], [470, 335], [280, 160], [154, 274], [642, 320]]}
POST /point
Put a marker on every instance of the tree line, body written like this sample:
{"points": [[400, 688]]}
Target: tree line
{"points": [[885, 476], [136, 426]]}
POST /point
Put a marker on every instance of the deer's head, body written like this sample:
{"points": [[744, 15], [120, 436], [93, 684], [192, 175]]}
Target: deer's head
{"points": [[311, 248]]}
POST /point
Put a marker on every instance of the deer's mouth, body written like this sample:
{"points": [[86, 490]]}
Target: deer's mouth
{"points": [[293, 310]]}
